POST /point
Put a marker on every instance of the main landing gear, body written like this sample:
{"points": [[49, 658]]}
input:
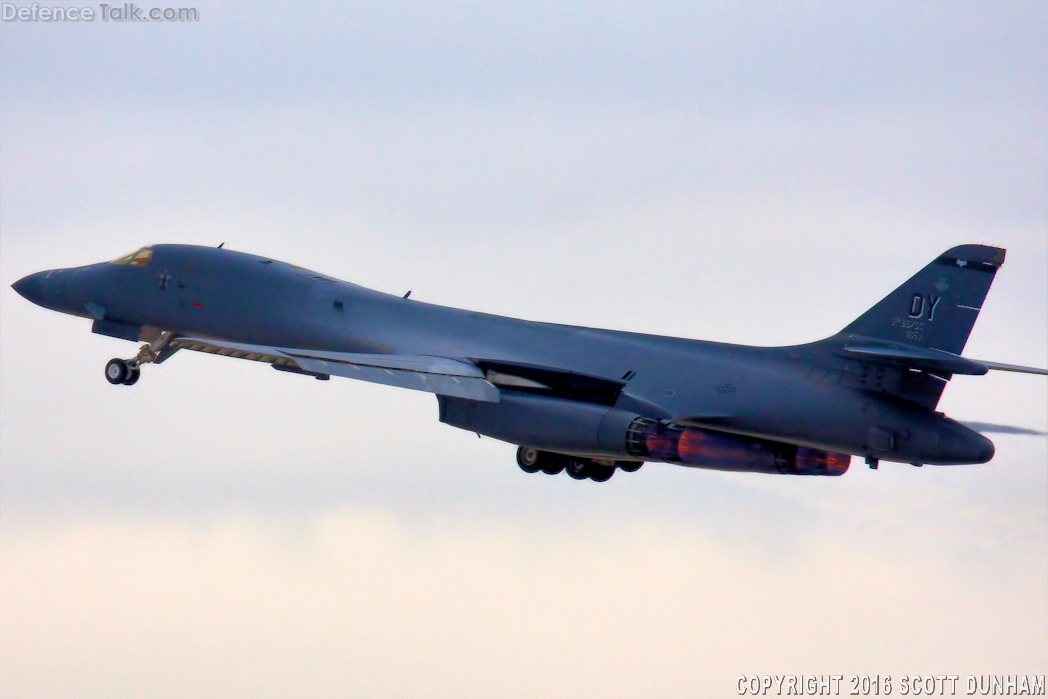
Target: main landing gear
{"points": [[127, 371], [579, 468]]}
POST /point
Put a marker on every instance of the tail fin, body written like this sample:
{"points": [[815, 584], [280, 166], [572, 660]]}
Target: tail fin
{"points": [[938, 306]]}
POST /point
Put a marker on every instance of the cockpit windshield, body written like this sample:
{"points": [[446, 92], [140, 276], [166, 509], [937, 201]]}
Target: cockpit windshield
{"points": [[139, 258]]}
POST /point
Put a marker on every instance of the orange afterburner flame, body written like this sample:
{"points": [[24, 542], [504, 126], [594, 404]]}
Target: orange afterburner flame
{"points": [[728, 452]]}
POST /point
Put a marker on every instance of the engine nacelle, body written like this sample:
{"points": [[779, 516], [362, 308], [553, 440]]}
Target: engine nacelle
{"points": [[648, 439], [587, 429], [550, 424]]}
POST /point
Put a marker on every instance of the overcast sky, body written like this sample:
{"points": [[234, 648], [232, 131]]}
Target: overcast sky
{"points": [[755, 173]]}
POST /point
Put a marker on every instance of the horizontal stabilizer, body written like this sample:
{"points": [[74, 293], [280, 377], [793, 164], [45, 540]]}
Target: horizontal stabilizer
{"points": [[923, 358], [988, 427], [931, 360], [997, 366], [448, 377]]}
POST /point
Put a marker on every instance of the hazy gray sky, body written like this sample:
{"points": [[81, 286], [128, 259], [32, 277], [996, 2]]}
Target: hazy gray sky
{"points": [[756, 173]]}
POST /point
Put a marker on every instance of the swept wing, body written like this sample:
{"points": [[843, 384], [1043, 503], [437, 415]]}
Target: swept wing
{"points": [[440, 375]]}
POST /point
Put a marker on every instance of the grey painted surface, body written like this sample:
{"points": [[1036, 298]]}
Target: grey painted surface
{"points": [[869, 391]]}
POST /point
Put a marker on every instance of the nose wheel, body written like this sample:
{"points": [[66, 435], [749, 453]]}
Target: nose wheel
{"points": [[122, 371], [127, 371]]}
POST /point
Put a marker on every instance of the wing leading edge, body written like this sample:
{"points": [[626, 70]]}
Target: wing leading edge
{"points": [[446, 377]]}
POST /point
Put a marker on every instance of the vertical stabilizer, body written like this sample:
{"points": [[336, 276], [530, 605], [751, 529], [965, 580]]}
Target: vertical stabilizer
{"points": [[938, 306]]}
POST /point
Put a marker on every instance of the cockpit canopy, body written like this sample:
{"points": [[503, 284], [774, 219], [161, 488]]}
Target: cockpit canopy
{"points": [[139, 258]]}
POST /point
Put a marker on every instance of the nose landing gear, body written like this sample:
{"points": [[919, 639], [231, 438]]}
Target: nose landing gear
{"points": [[128, 371], [122, 371]]}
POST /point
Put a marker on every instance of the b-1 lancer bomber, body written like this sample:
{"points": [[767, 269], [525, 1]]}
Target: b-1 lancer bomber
{"points": [[573, 399]]}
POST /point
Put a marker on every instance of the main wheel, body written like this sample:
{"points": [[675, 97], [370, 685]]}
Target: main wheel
{"points": [[117, 371], [529, 459], [578, 469], [552, 464], [600, 473], [629, 466], [132, 376]]}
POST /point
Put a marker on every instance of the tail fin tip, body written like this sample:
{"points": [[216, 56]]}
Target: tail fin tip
{"points": [[937, 307], [982, 258]]}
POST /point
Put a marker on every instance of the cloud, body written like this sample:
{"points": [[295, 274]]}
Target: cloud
{"points": [[356, 601]]}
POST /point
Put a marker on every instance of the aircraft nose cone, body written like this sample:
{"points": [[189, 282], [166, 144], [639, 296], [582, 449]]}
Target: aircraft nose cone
{"points": [[31, 287]]}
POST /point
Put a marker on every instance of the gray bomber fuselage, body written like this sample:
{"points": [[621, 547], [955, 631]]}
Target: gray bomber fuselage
{"points": [[811, 395]]}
